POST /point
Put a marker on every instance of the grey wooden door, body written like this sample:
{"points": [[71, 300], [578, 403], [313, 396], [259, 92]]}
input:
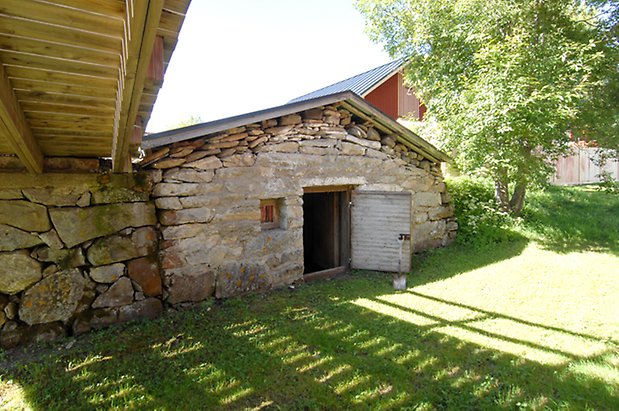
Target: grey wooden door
{"points": [[378, 219]]}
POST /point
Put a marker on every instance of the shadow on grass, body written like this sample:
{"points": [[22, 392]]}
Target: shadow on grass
{"points": [[333, 345], [566, 219], [456, 259]]}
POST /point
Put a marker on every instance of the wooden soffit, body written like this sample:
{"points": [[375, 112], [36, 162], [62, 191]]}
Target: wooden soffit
{"points": [[78, 78]]}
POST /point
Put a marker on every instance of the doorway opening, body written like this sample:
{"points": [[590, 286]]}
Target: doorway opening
{"points": [[326, 231]]}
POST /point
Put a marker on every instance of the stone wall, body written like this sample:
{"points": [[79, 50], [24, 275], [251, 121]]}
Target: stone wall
{"points": [[83, 251], [208, 200], [77, 251]]}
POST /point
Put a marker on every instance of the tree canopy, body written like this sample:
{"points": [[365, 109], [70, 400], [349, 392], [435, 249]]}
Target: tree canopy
{"points": [[507, 80]]}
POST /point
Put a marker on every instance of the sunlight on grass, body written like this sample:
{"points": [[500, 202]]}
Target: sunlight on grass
{"points": [[88, 361], [438, 311], [265, 404], [313, 364], [172, 349], [503, 344], [119, 392], [557, 341], [230, 399], [398, 313], [600, 371], [351, 384], [12, 396], [335, 371], [206, 373], [542, 286], [532, 327]]}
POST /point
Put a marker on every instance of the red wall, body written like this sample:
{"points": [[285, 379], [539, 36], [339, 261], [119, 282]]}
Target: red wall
{"points": [[385, 97]]}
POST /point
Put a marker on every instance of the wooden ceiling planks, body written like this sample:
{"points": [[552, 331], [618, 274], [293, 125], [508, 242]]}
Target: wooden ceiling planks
{"points": [[77, 89], [63, 51], [76, 72], [32, 29], [51, 76], [15, 128], [58, 108]]}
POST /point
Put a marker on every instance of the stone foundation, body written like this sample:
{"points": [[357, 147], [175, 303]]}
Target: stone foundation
{"points": [[72, 254]]}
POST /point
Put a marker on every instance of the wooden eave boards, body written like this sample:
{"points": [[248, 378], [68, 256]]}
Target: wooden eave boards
{"points": [[74, 75]]}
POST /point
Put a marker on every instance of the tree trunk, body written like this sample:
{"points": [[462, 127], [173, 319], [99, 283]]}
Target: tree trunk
{"points": [[501, 191], [517, 202]]}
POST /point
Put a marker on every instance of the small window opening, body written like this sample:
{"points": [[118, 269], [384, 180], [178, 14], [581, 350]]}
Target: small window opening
{"points": [[269, 214]]}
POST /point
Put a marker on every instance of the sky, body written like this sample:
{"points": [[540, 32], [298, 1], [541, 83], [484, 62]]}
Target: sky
{"points": [[239, 56]]}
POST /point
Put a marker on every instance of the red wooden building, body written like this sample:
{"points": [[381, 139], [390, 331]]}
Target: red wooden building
{"points": [[383, 87]]}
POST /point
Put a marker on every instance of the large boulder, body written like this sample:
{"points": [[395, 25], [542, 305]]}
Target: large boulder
{"points": [[145, 271], [76, 225], [120, 293], [18, 271], [24, 215], [57, 196], [236, 279], [94, 319], [427, 199], [55, 298], [189, 284], [63, 258], [108, 195], [117, 248], [147, 309], [107, 274], [12, 238], [12, 334]]}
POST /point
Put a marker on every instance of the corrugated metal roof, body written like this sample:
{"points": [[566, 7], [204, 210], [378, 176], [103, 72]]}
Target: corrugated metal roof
{"points": [[360, 84]]}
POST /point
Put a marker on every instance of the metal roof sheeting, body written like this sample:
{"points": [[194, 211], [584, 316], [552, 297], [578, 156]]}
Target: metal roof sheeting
{"points": [[360, 84]]}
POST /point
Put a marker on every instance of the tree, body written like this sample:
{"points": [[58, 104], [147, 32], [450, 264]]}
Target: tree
{"points": [[506, 80], [189, 121], [598, 115]]}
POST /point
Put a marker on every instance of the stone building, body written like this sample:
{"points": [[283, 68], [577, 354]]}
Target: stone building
{"points": [[308, 189]]}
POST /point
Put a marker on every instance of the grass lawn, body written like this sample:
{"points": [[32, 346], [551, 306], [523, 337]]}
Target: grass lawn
{"points": [[528, 324]]}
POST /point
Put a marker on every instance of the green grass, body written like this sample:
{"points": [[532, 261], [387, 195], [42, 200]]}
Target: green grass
{"points": [[529, 324], [565, 219]]}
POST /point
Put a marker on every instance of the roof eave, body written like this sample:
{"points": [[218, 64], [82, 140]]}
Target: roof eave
{"points": [[406, 135], [200, 130]]}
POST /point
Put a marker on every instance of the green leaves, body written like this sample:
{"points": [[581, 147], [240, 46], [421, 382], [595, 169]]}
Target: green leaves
{"points": [[501, 76]]}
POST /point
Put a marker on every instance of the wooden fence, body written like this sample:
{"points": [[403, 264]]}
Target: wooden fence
{"points": [[580, 169]]}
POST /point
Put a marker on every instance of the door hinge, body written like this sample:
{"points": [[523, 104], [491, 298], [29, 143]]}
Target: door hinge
{"points": [[403, 237]]}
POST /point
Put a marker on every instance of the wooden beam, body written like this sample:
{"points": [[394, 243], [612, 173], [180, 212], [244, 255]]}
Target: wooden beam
{"points": [[156, 66], [15, 128], [325, 274], [138, 132], [143, 19]]}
